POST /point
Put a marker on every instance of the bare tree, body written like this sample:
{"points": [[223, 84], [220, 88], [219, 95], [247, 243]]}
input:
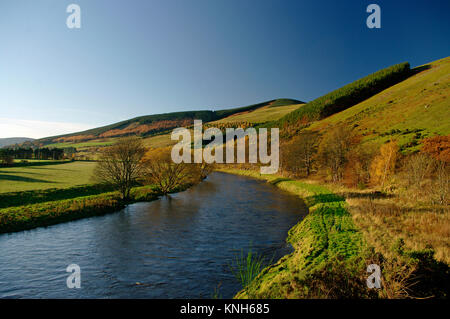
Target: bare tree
{"points": [[416, 168], [298, 154], [333, 149], [121, 164], [441, 183], [166, 174]]}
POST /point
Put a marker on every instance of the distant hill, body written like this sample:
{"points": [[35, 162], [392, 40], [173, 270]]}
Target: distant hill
{"points": [[153, 124], [14, 140]]}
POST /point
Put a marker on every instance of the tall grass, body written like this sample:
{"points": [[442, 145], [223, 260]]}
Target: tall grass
{"points": [[247, 266]]}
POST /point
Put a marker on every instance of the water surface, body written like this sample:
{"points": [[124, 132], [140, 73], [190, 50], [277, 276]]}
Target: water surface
{"points": [[180, 246]]}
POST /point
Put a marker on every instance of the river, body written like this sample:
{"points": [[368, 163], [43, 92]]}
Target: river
{"points": [[180, 246]]}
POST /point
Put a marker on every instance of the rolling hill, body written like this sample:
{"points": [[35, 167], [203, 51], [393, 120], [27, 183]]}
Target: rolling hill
{"points": [[407, 112], [394, 103], [14, 140], [155, 129], [149, 125]]}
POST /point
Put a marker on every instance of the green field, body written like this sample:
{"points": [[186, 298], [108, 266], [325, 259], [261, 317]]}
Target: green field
{"points": [[261, 115], [94, 143], [16, 179]]}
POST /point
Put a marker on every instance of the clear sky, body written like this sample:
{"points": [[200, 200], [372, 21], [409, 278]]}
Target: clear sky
{"points": [[133, 58]]}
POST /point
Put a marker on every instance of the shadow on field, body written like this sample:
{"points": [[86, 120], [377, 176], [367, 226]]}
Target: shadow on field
{"points": [[16, 178], [420, 69], [32, 164], [279, 180], [371, 195], [39, 196], [324, 198]]}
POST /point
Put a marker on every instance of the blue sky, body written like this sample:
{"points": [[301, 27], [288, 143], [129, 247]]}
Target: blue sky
{"points": [[133, 58]]}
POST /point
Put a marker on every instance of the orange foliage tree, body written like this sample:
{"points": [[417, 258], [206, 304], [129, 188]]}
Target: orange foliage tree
{"points": [[438, 147], [383, 165]]}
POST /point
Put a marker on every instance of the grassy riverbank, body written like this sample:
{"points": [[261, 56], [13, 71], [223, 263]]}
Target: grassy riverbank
{"points": [[42, 195], [51, 207], [331, 253], [327, 233]]}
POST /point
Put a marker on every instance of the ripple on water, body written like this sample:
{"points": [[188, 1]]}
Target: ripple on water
{"points": [[176, 247]]}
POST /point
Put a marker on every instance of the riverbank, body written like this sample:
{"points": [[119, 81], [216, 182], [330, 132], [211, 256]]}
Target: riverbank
{"points": [[332, 249], [327, 234], [43, 210]]}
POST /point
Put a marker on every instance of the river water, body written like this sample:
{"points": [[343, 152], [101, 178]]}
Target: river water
{"points": [[179, 246]]}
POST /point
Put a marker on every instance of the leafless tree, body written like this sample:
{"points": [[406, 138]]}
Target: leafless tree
{"points": [[417, 167], [121, 164], [441, 183], [298, 154], [333, 149]]}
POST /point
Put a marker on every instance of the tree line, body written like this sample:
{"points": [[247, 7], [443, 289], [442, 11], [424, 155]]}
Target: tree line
{"points": [[8, 155], [339, 156]]}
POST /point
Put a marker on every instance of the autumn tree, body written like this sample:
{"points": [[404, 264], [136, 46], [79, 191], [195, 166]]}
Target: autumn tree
{"points": [[121, 164], [297, 155], [333, 149], [438, 147], [383, 165], [357, 167], [167, 175]]}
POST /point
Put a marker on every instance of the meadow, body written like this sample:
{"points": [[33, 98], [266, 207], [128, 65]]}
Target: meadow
{"points": [[82, 145], [39, 177]]}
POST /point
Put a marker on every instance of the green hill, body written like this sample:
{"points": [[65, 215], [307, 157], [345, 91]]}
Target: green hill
{"points": [[409, 111], [348, 95]]}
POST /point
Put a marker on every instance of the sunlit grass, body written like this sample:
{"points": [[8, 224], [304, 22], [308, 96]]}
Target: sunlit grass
{"points": [[17, 179]]}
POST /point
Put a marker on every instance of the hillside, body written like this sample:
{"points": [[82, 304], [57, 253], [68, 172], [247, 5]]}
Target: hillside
{"points": [[409, 111], [153, 124], [261, 115], [155, 129], [348, 95], [13, 140]]}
